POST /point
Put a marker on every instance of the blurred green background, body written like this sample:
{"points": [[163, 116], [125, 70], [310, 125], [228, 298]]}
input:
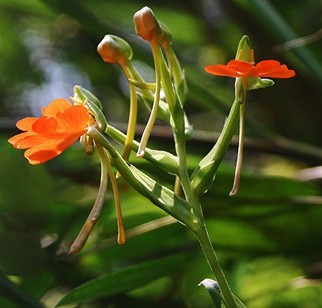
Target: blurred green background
{"points": [[268, 238]]}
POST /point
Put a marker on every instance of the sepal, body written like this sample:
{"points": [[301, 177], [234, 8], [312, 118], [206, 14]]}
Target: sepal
{"points": [[259, 83], [83, 95]]}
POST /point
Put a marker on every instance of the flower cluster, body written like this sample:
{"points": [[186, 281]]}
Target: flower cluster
{"points": [[63, 123]]}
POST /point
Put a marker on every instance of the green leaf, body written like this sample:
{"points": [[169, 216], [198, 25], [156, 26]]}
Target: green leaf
{"points": [[125, 280], [212, 287]]}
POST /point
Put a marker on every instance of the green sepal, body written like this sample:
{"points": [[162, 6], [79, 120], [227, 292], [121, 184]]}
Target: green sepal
{"points": [[204, 177], [83, 95], [98, 115], [254, 83]]}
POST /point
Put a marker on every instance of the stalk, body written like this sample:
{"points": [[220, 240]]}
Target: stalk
{"points": [[93, 216], [209, 252]]}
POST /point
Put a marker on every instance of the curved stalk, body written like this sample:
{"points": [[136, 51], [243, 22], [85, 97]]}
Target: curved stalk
{"points": [[132, 115], [120, 225], [239, 161], [213, 262], [93, 216], [149, 126]]}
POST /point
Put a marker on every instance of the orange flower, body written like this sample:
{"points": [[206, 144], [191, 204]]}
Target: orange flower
{"points": [[45, 137], [238, 68]]}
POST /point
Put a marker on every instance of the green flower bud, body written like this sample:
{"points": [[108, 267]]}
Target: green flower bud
{"points": [[113, 49], [244, 50]]}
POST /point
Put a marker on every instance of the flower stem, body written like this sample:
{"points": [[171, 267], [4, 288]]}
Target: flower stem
{"points": [[202, 232], [120, 225], [132, 115], [154, 111], [93, 216], [213, 262], [239, 161]]}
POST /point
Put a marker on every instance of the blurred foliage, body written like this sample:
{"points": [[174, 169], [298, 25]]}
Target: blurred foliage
{"points": [[268, 238]]}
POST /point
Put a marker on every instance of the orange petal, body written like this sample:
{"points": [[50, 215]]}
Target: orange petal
{"points": [[17, 138], [220, 70], [40, 155], [44, 125], [74, 119], [56, 105], [50, 148], [68, 141], [282, 74], [234, 68], [272, 68], [26, 123], [34, 140], [241, 67]]}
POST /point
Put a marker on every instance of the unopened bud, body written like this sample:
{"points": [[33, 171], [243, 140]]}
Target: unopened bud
{"points": [[113, 49], [244, 50], [146, 24]]}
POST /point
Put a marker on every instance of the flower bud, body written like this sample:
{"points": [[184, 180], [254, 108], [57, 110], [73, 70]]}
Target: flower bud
{"points": [[146, 24], [113, 49], [244, 50]]}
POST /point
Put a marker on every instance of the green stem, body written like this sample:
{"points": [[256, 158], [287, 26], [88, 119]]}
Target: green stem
{"points": [[149, 126], [239, 161], [137, 77], [162, 159], [192, 198], [183, 172], [132, 115], [202, 233], [178, 128], [213, 262], [120, 225]]}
